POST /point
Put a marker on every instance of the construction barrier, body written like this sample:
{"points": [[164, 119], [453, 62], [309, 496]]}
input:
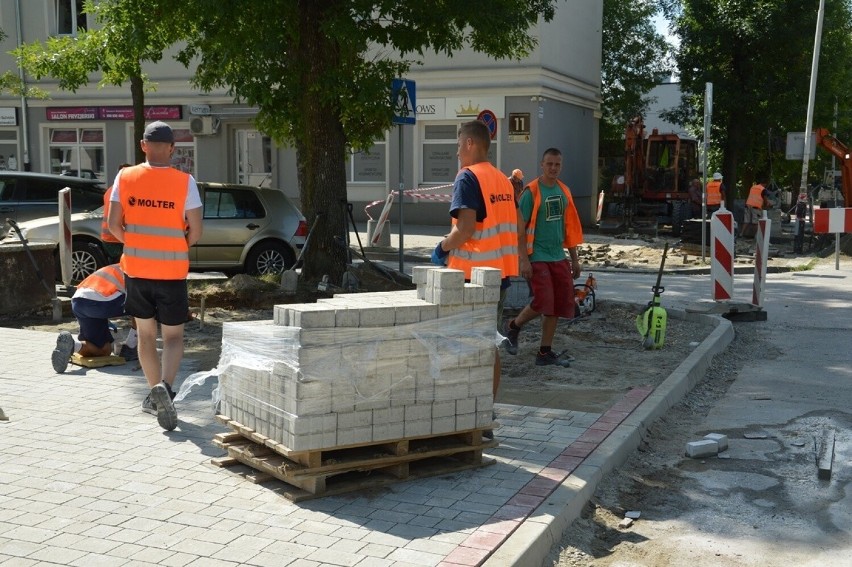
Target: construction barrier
{"points": [[722, 254], [832, 221], [414, 194], [761, 258], [383, 218]]}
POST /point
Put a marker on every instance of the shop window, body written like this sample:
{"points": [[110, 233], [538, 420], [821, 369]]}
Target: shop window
{"points": [[183, 157], [77, 151], [369, 166], [70, 17], [9, 150], [440, 160]]}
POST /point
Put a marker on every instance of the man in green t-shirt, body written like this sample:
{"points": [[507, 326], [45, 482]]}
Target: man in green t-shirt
{"points": [[552, 225]]}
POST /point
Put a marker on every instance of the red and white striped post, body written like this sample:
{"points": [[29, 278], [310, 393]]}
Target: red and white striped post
{"points": [[722, 253], [65, 235], [761, 258]]}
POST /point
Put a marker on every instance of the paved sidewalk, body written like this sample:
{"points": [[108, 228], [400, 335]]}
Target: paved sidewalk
{"points": [[88, 479]]}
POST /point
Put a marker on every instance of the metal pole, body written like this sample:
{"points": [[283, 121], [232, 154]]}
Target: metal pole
{"points": [[401, 203], [24, 113], [809, 121], [834, 194], [708, 114]]}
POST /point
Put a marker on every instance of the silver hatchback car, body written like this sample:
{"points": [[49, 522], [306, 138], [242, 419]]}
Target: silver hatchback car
{"points": [[249, 229]]}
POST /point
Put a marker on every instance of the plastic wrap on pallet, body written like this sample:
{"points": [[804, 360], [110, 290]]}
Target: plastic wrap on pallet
{"points": [[326, 370]]}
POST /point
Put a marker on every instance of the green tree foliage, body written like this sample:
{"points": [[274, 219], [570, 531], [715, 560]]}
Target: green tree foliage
{"points": [[758, 56], [319, 71], [635, 59], [128, 33]]}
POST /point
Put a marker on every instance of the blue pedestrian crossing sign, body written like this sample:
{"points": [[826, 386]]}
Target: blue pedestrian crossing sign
{"points": [[403, 101]]}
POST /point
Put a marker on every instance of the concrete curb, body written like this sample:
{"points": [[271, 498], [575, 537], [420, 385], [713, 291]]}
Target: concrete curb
{"points": [[531, 542]]}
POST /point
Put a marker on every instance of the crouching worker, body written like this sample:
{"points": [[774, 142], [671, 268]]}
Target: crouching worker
{"points": [[98, 298]]}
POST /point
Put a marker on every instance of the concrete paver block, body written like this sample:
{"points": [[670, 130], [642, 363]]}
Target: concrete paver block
{"points": [[720, 438], [701, 449]]}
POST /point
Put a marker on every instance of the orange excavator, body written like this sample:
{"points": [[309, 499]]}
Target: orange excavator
{"points": [[654, 189], [835, 147]]}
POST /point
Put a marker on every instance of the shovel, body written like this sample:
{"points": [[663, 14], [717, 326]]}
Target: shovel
{"points": [[651, 324]]}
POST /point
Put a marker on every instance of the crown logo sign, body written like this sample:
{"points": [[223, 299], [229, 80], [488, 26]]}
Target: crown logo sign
{"points": [[470, 110]]}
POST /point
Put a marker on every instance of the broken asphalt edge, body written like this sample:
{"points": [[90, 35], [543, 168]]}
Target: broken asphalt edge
{"points": [[531, 542]]}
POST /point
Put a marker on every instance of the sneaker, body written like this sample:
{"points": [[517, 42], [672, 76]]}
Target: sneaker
{"points": [[550, 358], [565, 355], [148, 406], [511, 342], [128, 353], [162, 400], [63, 351]]}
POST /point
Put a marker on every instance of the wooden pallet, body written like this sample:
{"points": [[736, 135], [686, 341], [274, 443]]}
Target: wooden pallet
{"points": [[323, 472], [96, 361]]}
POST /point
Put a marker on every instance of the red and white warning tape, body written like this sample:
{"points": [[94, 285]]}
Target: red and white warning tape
{"points": [[416, 194]]}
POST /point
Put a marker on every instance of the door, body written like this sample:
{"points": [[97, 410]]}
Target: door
{"points": [[254, 158], [232, 218]]}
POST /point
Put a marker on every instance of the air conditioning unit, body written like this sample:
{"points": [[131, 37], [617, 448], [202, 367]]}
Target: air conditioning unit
{"points": [[203, 125]]}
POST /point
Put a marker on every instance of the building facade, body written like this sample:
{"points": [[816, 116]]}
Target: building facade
{"points": [[551, 98]]}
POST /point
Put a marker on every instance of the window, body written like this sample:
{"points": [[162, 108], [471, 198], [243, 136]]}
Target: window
{"points": [[7, 190], [183, 157], [70, 17], [76, 150], [440, 153], [8, 150], [369, 166], [232, 204]]}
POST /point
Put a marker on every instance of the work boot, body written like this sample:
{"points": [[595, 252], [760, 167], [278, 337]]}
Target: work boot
{"points": [[63, 351], [511, 342]]}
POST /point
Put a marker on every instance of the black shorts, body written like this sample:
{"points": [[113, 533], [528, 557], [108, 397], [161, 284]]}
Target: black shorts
{"points": [[165, 300]]}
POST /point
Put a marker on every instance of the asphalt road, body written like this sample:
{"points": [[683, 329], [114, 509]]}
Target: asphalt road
{"points": [[763, 504]]}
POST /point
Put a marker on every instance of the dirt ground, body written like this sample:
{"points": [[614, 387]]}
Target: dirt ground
{"points": [[600, 342], [596, 539]]}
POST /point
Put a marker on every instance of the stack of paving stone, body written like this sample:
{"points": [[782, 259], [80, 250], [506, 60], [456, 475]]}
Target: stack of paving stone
{"points": [[363, 368]]}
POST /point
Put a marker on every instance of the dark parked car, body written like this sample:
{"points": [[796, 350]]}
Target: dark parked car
{"points": [[25, 195], [252, 229], [84, 173]]}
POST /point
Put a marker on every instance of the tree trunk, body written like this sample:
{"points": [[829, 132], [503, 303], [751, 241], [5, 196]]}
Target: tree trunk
{"points": [[321, 155], [137, 94]]}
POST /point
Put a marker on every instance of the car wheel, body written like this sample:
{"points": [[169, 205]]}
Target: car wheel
{"points": [[86, 259], [269, 257]]}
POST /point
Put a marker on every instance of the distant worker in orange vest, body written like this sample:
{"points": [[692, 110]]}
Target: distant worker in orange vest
{"points": [[485, 220], [99, 298], [552, 225], [715, 193], [756, 202], [156, 212], [112, 245]]}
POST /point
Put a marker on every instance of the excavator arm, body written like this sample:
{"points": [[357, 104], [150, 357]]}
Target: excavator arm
{"points": [[836, 148]]}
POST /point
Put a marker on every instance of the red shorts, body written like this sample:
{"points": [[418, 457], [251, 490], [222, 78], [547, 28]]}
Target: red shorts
{"points": [[552, 287]]}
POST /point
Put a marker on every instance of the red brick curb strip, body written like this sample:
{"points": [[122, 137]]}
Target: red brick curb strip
{"points": [[487, 538]]}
